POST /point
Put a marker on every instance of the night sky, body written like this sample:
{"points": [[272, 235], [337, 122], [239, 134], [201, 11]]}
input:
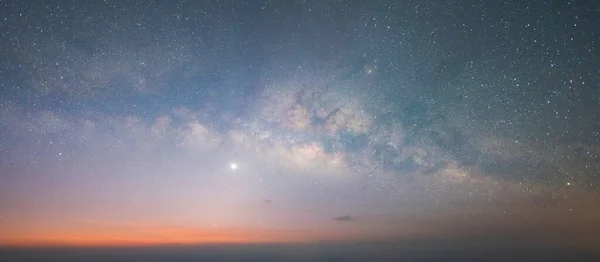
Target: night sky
{"points": [[191, 122]]}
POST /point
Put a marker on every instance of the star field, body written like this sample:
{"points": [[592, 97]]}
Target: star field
{"points": [[267, 121]]}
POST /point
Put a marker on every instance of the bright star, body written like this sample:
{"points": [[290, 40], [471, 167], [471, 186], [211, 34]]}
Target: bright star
{"points": [[233, 166]]}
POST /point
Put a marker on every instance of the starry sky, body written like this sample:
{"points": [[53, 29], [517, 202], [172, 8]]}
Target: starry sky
{"points": [[191, 122]]}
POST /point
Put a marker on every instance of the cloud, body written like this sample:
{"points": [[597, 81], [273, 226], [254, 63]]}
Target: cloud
{"points": [[345, 218]]}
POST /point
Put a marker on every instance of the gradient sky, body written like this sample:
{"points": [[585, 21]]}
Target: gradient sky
{"points": [[181, 122]]}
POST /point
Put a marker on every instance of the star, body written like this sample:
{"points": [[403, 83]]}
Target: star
{"points": [[233, 166]]}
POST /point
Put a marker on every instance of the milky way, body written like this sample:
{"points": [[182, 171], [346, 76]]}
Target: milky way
{"points": [[256, 121]]}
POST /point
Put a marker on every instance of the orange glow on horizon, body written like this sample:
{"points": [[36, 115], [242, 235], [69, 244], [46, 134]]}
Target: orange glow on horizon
{"points": [[157, 235]]}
